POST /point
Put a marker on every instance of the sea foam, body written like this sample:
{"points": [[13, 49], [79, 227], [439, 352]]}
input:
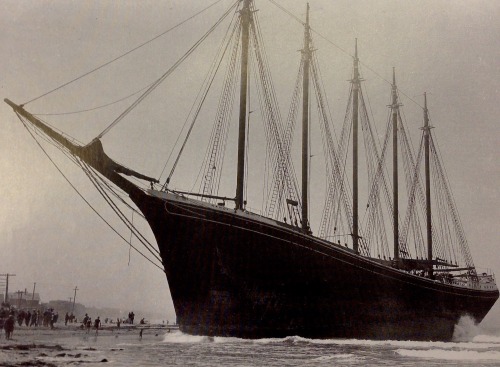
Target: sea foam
{"points": [[479, 342], [180, 337], [466, 329], [452, 355], [490, 339]]}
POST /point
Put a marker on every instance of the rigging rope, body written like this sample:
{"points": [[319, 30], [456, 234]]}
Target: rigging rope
{"points": [[73, 159], [343, 50], [274, 126], [94, 178], [93, 108], [339, 194], [81, 196], [214, 156], [444, 199], [122, 55], [166, 74], [207, 83], [130, 241]]}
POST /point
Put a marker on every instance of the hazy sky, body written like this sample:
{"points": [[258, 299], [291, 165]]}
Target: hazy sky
{"points": [[451, 49]]}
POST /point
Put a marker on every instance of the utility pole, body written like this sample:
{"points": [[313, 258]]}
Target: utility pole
{"points": [[19, 298], [33, 295], [6, 299], [74, 299]]}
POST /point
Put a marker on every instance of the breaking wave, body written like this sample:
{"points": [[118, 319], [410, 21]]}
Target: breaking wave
{"points": [[451, 355], [486, 339], [466, 329], [180, 337], [471, 344], [478, 342]]}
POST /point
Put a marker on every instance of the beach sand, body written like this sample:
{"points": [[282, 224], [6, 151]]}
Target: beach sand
{"points": [[71, 345]]}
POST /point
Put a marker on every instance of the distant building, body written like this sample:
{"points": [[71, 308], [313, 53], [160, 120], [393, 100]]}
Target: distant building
{"points": [[66, 306], [22, 299]]}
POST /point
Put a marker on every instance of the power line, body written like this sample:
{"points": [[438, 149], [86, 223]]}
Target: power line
{"points": [[6, 299], [74, 299]]}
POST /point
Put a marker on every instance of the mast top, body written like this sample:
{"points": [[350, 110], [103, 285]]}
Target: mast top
{"points": [[356, 50], [426, 111], [306, 25], [356, 79], [307, 50], [426, 127], [395, 103]]}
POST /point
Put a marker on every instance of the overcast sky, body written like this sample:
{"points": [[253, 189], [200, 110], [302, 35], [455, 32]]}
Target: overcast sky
{"points": [[451, 49]]}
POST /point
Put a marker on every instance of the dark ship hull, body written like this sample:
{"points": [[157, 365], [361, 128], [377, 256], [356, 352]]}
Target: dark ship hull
{"points": [[233, 273]]}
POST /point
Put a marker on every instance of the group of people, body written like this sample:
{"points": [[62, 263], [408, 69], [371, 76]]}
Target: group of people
{"points": [[131, 316], [87, 323], [69, 317], [47, 318], [9, 316], [34, 318]]}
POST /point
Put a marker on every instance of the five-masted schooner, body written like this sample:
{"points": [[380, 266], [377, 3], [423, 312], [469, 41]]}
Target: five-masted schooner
{"points": [[232, 272]]}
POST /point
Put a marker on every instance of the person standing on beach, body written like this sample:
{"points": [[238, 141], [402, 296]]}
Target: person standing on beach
{"points": [[52, 319], [47, 317], [20, 317], [9, 327], [27, 318], [89, 324], [85, 319], [97, 324], [34, 319]]}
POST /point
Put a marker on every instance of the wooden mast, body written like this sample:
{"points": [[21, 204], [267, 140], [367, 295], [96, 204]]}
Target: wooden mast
{"points": [[355, 108], [305, 125], [395, 112], [427, 133], [245, 26]]}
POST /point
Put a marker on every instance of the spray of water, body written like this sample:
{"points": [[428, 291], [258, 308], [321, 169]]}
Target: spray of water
{"points": [[466, 329]]}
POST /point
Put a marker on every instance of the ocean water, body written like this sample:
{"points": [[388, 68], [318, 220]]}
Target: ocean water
{"points": [[473, 347]]}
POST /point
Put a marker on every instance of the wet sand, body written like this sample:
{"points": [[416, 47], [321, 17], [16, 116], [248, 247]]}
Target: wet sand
{"points": [[71, 345]]}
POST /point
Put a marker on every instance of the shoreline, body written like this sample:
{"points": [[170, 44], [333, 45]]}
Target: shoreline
{"points": [[69, 344]]}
